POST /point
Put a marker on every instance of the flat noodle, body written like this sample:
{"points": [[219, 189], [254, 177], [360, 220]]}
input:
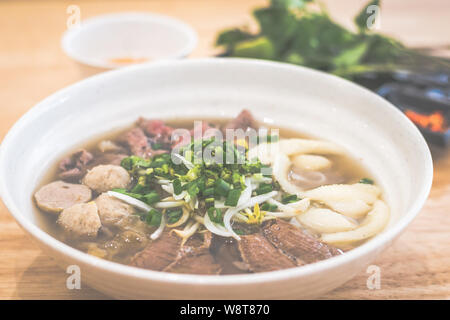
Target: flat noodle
{"points": [[310, 162], [374, 223], [277, 154], [280, 171], [267, 152], [344, 192], [325, 221], [352, 200], [355, 208]]}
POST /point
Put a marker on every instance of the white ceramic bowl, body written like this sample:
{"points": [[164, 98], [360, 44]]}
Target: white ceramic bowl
{"points": [[384, 140], [131, 35]]}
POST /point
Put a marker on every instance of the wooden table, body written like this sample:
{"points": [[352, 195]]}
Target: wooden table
{"points": [[32, 66]]}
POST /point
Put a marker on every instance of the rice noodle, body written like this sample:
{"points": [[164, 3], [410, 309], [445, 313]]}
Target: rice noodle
{"points": [[318, 179], [130, 200]]}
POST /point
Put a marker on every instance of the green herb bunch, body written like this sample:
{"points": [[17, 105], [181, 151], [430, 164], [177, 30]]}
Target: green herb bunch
{"points": [[301, 32]]}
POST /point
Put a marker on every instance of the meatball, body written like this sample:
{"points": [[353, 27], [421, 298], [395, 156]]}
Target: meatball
{"points": [[81, 220], [59, 195], [103, 178], [111, 210]]}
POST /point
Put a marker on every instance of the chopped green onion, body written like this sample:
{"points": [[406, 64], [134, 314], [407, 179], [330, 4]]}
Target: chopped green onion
{"points": [[209, 202], [269, 207], [151, 197], [215, 215], [208, 192], [264, 188], [237, 179], [222, 187], [153, 218], [132, 162], [366, 181], [192, 188], [289, 199], [233, 197], [173, 215], [177, 188]]}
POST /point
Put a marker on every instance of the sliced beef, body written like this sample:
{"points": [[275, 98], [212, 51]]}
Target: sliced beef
{"points": [[59, 195], [158, 254], [194, 261], [74, 167], [243, 121], [166, 254], [139, 144], [297, 243], [157, 130], [200, 240], [228, 256], [195, 257], [260, 255]]}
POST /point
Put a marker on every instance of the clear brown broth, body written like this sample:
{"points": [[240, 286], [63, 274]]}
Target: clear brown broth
{"points": [[350, 170]]}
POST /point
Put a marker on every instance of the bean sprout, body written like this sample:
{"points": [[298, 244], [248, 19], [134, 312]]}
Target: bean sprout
{"points": [[130, 200], [155, 235]]}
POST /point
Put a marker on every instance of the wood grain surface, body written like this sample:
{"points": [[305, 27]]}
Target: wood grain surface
{"points": [[32, 66]]}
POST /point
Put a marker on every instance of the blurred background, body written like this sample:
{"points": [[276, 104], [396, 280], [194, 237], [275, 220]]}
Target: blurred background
{"points": [[33, 66]]}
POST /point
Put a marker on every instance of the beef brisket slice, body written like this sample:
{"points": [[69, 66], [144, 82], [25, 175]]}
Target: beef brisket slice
{"points": [[73, 167], [138, 143], [228, 255], [158, 254], [260, 255], [194, 261], [297, 243]]}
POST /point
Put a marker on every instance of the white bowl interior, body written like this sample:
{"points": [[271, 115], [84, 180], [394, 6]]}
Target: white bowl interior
{"points": [[375, 133], [128, 35]]}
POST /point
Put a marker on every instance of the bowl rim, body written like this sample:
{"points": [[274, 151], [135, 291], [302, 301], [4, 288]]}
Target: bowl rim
{"points": [[85, 24], [75, 255]]}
